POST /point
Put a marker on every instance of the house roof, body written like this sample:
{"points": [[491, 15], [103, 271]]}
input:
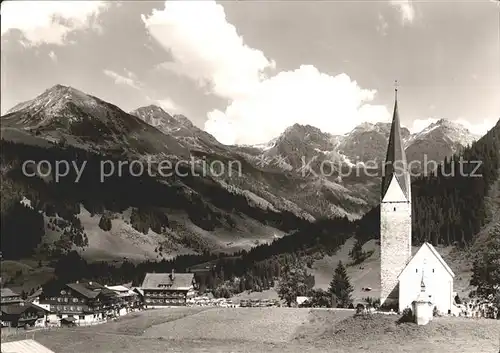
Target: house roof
{"points": [[16, 309], [433, 252], [36, 294], [7, 292], [138, 290], [24, 346], [156, 280], [39, 307], [90, 289], [118, 288], [122, 291]]}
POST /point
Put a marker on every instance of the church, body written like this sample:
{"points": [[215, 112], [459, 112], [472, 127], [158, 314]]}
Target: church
{"points": [[405, 277]]}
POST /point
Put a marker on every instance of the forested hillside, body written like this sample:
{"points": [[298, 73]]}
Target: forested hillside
{"points": [[207, 204]]}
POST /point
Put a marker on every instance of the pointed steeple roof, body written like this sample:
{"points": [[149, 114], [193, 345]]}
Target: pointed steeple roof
{"points": [[395, 161]]}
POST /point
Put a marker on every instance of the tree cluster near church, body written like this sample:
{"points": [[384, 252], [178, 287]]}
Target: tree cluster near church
{"points": [[294, 281], [486, 268], [338, 294], [357, 254]]}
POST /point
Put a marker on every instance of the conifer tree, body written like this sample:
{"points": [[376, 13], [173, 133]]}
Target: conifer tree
{"points": [[105, 223], [340, 287]]}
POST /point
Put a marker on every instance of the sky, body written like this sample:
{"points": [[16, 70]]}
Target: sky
{"points": [[246, 70]]}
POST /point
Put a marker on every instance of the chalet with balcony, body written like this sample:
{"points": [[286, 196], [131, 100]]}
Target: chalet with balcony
{"points": [[23, 314], [8, 296], [168, 289], [127, 299], [86, 302]]}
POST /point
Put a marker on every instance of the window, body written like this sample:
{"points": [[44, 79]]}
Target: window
{"points": [[432, 270], [416, 270], [75, 300], [81, 317], [394, 209]]}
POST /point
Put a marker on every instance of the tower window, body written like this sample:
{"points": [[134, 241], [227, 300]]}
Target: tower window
{"points": [[416, 270], [394, 209], [432, 270]]}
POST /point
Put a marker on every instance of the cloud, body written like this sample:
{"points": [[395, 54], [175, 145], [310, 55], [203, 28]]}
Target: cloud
{"points": [[53, 56], [406, 9], [334, 104], [130, 80], [477, 128], [208, 49], [48, 21], [382, 25]]}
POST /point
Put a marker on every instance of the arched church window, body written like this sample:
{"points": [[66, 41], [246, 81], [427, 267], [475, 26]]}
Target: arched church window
{"points": [[416, 270], [394, 208], [432, 270]]}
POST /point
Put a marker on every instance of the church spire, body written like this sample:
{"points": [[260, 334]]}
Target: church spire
{"points": [[395, 161]]}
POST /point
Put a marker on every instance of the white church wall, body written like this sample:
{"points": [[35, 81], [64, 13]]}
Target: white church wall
{"points": [[395, 238], [438, 281]]}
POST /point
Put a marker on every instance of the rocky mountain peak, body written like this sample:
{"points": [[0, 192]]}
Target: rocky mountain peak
{"points": [[55, 97], [156, 116]]}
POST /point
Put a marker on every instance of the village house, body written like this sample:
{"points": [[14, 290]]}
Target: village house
{"points": [[80, 302], [127, 299], [23, 314], [168, 289], [402, 275], [8, 296]]}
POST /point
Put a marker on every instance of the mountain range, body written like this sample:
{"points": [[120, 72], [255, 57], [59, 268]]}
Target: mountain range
{"points": [[274, 188]]}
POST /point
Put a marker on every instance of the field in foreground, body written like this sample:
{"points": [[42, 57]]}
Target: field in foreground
{"points": [[272, 330]]}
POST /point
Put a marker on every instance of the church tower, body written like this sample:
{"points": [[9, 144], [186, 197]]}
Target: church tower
{"points": [[395, 214]]}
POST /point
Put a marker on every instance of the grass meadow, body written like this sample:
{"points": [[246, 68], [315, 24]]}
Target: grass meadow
{"points": [[272, 330]]}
